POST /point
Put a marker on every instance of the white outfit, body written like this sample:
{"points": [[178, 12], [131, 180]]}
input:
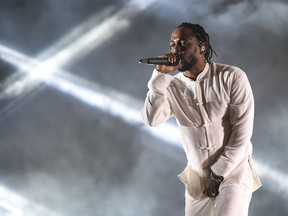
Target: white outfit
{"points": [[215, 116]]}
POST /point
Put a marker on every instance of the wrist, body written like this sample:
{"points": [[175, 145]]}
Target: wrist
{"points": [[216, 178], [164, 69], [160, 71]]}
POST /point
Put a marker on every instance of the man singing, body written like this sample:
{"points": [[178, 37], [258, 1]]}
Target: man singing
{"points": [[214, 108]]}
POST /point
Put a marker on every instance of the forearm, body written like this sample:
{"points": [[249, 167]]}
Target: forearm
{"points": [[156, 107]]}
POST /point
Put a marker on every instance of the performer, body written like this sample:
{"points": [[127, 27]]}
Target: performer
{"points": [[214, 108]]}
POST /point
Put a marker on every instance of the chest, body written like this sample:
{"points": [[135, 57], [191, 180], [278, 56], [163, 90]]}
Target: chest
{"points": [[201, 102]]}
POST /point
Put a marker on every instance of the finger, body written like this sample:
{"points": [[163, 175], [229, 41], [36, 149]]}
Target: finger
{"points": [[207, 192], [163, 56], [204, 192], [170, 58], [211, 192]]}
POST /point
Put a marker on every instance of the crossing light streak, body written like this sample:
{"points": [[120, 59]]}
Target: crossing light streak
{"points": [[77, 43], [108, 100], [128, 109]]}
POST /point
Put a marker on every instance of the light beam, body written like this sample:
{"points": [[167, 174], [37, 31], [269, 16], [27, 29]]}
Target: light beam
{"points": [[128, 109]]}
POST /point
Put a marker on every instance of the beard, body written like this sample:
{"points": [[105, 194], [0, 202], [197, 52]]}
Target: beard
{"points": [[188, 65]]}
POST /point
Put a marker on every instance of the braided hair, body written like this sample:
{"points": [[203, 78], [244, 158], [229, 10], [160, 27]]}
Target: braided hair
{"points": [[201, 35]]}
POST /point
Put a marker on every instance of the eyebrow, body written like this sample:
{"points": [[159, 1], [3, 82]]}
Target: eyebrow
{"points": [[178, 40]]}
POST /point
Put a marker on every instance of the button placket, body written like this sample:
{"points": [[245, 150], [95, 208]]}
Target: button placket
{"points": [[203, 113]]}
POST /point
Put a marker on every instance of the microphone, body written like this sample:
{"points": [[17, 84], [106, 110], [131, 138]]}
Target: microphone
{"points": [[159, 61]]}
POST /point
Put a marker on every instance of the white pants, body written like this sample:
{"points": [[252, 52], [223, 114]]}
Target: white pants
{"points": [[233, 200]]}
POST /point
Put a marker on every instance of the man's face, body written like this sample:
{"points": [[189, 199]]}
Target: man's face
{"points": [[183, 43]]}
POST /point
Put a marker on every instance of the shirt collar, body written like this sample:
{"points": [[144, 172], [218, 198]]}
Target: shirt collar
{"points": [[200, 77]]}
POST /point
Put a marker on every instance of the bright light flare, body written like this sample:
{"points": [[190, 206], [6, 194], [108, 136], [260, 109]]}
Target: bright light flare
{"points": [[12, 204]]}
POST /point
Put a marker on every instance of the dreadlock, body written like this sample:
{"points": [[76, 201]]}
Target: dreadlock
{"points": [[201, 36]]}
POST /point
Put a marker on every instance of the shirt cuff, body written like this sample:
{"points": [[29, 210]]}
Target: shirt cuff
{"points": [[159, 81]]}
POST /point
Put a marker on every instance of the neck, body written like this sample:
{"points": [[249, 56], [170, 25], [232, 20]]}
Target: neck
{"points": [[195, 71]]}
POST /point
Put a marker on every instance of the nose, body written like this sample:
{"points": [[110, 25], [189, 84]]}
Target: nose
{"points": [[178, 49]]}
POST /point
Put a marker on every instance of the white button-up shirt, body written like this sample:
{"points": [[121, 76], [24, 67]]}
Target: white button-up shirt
{"points": [[215, 115]]}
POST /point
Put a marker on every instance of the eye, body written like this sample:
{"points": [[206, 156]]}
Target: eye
{"points": [[172, 46], [183, 43]]}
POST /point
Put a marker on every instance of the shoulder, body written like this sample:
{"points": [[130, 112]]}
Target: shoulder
{"points": [[227, 71], [177, 75]]}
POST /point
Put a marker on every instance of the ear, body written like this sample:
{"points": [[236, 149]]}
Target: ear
{"points": [[202, 46]]}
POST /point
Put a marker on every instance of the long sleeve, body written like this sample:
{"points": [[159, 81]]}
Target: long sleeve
{"points": [[156, 107], [241, 112]]}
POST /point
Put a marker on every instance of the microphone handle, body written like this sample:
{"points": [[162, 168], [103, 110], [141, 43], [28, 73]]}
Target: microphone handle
{"points": [[158, 61]]}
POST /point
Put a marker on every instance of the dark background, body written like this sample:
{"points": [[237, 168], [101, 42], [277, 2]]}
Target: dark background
{"points": [[65, 154]]}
